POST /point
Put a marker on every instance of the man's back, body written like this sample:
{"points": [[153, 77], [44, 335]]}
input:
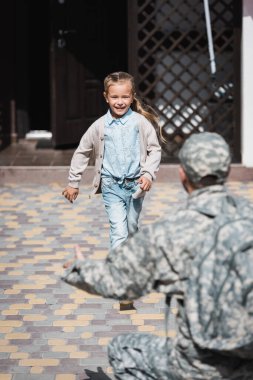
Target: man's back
{"points": [[181, 238]]}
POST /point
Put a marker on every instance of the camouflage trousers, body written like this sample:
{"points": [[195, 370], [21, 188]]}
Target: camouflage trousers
{"points": [[140, 356], [148, 357]]}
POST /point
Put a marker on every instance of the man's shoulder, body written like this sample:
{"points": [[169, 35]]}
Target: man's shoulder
{"points": [[245, 205]]}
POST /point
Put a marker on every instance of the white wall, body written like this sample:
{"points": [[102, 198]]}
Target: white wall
{"points": [[247, 84]]}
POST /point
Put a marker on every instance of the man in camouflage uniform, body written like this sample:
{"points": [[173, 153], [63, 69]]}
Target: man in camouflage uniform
{"points": [[159, 258]]}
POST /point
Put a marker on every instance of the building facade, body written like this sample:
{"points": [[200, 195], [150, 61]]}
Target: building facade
{"points": [[58, 52]]}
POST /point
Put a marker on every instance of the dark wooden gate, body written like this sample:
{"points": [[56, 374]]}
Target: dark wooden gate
{"points": [[169, 57]]}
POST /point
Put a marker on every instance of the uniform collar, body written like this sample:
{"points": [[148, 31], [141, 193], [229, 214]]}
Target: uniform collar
{"points": [[208, 200], [121, 120]]}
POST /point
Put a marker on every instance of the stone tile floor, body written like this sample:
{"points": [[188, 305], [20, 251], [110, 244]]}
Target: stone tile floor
{"points": [[49, 330]]}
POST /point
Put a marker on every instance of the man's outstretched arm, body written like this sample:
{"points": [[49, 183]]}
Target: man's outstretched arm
{"points": [[128, 272]]}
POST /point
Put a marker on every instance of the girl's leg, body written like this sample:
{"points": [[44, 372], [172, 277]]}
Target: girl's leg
{"points": [[123, 212], [134, 208], [115, 205]]}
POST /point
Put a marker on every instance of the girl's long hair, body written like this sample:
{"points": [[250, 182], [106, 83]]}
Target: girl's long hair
{"points": [[137, 105]]}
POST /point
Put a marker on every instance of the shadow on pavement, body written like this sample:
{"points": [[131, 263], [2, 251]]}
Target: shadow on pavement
{"points": [[99, 375]]}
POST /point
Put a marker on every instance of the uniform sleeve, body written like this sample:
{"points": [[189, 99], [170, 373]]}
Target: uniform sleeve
{"points": [[129, 272]]}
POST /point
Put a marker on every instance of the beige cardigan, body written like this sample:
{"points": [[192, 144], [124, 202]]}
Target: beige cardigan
{"points": [[93, 142]]}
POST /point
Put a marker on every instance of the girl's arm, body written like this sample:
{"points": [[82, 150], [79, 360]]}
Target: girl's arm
{"points": [[150, 151], [81, 158]]}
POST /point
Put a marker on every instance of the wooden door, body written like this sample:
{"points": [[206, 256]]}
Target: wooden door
{"points": [[88, 42]]}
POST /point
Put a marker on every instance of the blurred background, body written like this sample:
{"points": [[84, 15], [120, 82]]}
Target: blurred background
{"points": [[56, 53]]}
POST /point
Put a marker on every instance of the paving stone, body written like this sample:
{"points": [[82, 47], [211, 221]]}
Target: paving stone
{"points": [[33, 377], [5, 376]]}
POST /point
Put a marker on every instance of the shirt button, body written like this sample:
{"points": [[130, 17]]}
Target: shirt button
{"points": [[98, 171], [101, 156]]}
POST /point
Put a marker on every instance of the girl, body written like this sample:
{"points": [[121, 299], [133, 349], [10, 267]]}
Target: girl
{"points": [[127, 156]]}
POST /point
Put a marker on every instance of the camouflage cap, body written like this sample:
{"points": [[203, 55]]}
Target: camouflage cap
{"points": [[205, 154]]}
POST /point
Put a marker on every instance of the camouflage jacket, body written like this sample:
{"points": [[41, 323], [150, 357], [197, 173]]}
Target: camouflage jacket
{"points": [[159, 258]]}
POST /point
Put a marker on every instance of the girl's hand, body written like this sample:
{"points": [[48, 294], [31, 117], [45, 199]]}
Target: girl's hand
{"points": [[78, 256], [70, 193], [145, 183]]}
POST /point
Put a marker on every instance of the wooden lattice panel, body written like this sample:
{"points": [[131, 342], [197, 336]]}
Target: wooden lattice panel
{"points": [[173, 69]]}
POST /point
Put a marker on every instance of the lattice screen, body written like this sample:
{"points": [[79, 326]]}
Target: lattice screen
{"points": [[173, 70]]}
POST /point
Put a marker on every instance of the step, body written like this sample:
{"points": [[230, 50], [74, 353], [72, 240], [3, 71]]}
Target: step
{"points": [[44, 175]]}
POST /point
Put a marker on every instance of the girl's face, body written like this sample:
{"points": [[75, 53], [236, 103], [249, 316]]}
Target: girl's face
{"points": [[119, 97]]}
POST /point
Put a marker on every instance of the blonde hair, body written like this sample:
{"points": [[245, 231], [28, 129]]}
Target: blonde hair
{"points": [[137, 105]]}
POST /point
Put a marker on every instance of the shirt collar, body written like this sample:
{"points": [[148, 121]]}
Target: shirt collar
{"points": [[122, 119]]}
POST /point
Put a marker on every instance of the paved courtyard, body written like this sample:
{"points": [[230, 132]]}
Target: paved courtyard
{"points": [[49, 330]]}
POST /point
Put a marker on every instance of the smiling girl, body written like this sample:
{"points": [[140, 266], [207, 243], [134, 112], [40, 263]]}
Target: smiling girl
{"points": [[127, 156]]}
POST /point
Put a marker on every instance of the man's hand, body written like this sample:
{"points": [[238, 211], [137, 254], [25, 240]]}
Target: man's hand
{"points": [[145, 183], [78, 256], [70, 193]]}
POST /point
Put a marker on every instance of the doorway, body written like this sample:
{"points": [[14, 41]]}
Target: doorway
{"points": [[32, 66], [64, 49]]}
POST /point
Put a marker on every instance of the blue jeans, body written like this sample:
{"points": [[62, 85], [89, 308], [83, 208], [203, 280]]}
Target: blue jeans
{"points": [[123, 211]]}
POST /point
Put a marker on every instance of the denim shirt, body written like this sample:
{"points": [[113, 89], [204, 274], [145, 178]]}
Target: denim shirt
{"points": [[122, 147]]}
